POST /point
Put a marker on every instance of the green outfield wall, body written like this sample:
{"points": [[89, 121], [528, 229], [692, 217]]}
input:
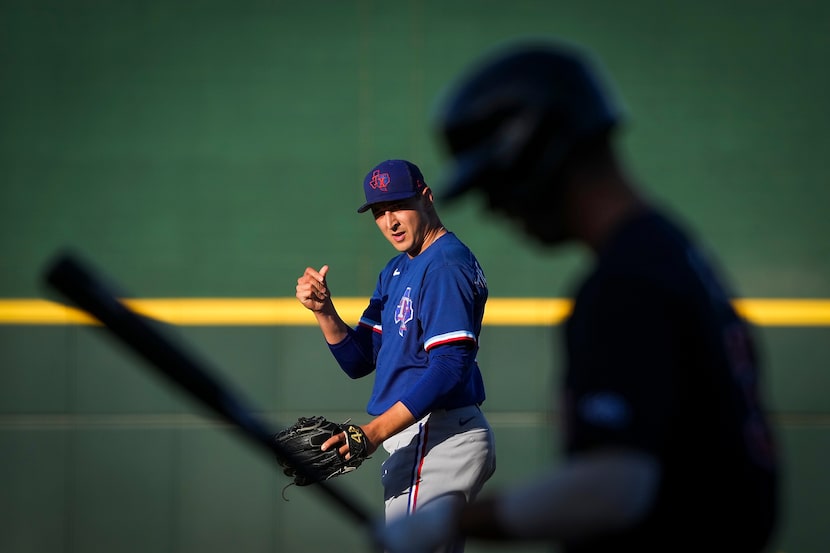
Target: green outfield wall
{"points": [[210, 151]]}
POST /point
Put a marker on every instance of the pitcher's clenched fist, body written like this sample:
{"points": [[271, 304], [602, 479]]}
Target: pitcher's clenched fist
{"points": [[312, 289]]}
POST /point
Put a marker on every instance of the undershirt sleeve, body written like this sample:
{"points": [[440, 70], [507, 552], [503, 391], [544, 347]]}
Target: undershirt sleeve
{"points": [[354, 353], [448, 365]]}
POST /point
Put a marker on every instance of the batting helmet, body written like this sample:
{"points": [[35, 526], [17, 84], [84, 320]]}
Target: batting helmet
{"points": [[511, 122]]}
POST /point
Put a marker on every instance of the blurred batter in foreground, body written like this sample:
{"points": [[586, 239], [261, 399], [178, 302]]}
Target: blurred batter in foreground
{"points": [[668, 446]]}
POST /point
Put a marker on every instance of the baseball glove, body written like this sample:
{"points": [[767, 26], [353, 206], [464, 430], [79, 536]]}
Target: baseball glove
{"points": [[301, 443]]}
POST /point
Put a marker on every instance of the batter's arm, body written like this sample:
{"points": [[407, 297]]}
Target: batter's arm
{"points": [[592, 494]]}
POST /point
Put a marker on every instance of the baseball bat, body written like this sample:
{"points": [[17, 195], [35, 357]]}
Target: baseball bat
{"points": [[78, 282]]}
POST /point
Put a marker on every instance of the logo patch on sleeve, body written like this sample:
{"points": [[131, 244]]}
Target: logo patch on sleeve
{"points": [[605, 409]]}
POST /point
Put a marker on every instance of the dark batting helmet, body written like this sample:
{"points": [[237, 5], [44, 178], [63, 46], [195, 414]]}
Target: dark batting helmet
{"points": [[512, 121]]}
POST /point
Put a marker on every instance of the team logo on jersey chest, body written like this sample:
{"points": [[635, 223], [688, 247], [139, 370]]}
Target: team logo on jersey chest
{"points": [[404, 312]]}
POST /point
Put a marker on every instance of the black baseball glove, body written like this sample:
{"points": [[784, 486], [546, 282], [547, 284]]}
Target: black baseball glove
{"points": [[301, 443]]}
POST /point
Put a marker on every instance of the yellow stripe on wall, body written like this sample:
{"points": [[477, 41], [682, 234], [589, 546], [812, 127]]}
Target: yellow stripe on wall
{"points": [[288, 311], [785, 312]]}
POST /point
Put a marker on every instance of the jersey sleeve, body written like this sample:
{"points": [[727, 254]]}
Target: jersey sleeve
{"points": [[451, 307]]}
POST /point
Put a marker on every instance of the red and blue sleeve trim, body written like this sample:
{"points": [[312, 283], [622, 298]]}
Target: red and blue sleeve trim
{"points": [[449, 337]]}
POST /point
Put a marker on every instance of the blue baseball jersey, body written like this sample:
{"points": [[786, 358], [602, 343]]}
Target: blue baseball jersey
{"points": [[422, 325]]}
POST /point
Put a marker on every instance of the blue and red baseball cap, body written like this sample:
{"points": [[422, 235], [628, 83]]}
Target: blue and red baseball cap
{"points": [[391, 180]]}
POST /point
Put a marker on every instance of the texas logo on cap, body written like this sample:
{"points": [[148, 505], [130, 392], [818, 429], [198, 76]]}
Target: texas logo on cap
{"points": [[391, 180], [380, 181]]}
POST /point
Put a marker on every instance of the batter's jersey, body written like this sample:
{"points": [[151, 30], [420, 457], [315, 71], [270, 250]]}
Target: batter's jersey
{"points": [[436, 298], [659, 361]]}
